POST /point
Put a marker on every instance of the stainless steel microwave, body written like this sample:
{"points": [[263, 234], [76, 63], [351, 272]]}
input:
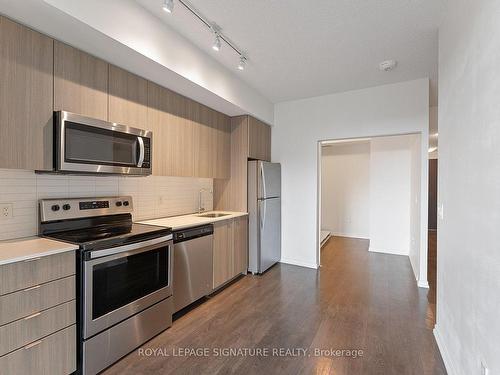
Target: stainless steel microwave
{"points": [[87, 145]]}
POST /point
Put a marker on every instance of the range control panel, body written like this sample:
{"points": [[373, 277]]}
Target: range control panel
{"points": [[75, 208], [92, 205]]}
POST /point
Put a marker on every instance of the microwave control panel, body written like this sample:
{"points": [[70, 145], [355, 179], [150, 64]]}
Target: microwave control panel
{"points": [[147, 153]]}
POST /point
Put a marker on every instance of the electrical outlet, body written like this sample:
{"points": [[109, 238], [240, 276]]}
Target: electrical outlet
{"points": [[441, 211], [484, 369], [6, 210]]}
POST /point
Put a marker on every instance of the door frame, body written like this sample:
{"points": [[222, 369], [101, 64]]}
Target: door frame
{"points": [[424, 186]]}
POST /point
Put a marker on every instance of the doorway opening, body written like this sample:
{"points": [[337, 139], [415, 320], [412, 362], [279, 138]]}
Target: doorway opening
{"points": [[372, 188]]}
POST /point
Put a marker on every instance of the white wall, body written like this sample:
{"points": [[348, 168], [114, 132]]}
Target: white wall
{"points": [[433, 129], [299, 125], [345, 189], [390, 194], [153, 196], [468, 282], [415, 209]]}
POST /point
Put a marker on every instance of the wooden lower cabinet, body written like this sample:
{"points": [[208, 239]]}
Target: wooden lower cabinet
{"points": [[223, 257], [36, 298], [230, 249], [240, 245], [38, 316], [36, 326], [21, 275], [52, 355]]}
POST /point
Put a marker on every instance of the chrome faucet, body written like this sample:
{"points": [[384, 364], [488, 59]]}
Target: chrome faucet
{"points": [[200, 207]]}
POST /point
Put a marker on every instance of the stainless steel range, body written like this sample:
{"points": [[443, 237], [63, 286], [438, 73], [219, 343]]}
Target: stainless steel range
{"points": [[124, 275]]}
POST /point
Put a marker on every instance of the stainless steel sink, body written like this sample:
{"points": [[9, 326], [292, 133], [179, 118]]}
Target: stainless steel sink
{"points": [[213, 214]]}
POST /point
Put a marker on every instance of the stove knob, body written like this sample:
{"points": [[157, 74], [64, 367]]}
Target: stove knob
{"points": [[55, 207], [125, 203], [118, 204], [66, 207]]}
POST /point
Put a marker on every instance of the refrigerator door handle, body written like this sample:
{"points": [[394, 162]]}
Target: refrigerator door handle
{"points": [[262, 180], [263, 214]]}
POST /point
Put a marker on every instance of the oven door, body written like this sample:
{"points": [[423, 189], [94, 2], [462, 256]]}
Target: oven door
{"points": [[89, 145], [120, 282]]}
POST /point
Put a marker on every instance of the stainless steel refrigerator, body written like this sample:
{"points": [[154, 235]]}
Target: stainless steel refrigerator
{"points": [[264, 211]]}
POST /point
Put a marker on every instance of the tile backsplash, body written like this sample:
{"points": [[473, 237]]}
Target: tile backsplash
{"points": [[153, 196]]}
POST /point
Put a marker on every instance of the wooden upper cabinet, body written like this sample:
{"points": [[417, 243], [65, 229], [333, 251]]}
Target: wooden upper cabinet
{"points": [[212, 141], [128, 98], [259, 140], [26, 92], [189, 139], [39, 75], [223, 146], [199, 116], [80, 82], [172, 132]]}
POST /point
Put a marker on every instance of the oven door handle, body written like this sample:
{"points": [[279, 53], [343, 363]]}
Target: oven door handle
{"points": [[127, 248]]}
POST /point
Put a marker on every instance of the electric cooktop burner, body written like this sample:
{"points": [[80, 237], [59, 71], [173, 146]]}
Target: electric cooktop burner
{"points": [[109, 237], [96, 224]]}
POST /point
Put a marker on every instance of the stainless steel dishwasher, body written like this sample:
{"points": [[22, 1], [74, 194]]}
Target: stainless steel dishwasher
{"points": [[193, 265]]}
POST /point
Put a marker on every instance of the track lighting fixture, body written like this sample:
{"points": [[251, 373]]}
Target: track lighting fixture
{"points": [[219, 37], [216, 46], [243, 62], [168, 6]]}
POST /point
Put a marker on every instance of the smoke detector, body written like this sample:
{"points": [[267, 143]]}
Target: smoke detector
{"points": [[387, 65]]}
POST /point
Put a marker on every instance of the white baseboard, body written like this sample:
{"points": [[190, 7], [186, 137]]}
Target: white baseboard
{"points": [[350, 235], [445, 354], [299, 263], [385, 251], [415, 272], [423, 284]]}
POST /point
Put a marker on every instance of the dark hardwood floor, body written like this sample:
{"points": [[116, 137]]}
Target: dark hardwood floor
{"points": [[358, 300], [432, 270]]}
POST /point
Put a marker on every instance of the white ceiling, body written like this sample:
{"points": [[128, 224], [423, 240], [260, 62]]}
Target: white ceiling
{"points": [[300, 48]]}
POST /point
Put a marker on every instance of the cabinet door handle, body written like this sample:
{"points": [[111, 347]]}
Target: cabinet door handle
{"points": [[32, 316], [29, 346], [32, 259], [32, 288]]}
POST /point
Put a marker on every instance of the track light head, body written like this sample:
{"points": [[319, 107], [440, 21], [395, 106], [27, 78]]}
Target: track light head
{"points": [[217, 44], [168, 6], [243, 62]]}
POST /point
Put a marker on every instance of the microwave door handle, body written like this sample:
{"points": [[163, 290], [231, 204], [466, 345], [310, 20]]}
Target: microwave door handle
{"points": [[141, 152]]}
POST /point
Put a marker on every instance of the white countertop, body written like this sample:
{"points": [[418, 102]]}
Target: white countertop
{"points": [[17, 250], [192, 220], [21, 249]]}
